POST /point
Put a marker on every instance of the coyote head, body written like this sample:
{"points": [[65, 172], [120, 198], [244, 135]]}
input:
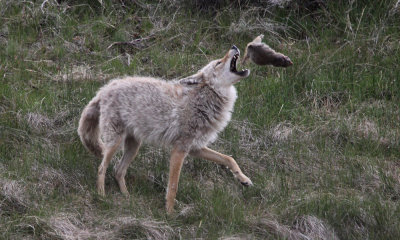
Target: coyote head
{"points": [[223, 72]]}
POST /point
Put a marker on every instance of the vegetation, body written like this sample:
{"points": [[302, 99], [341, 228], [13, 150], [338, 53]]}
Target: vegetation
{"points": [[320, 140]]}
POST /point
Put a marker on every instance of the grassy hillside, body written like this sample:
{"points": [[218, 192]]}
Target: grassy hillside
{"points": [[320, 140]]}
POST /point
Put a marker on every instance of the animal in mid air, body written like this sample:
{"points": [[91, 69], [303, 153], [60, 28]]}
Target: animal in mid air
{"points": [[261, 54]]}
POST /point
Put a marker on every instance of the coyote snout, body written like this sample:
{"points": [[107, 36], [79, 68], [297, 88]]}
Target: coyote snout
{"points": [[186, 114]]}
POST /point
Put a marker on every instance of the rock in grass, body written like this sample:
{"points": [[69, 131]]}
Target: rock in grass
{"points": [[261, 54]]}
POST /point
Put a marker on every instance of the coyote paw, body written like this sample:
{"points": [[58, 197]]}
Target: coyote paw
{"points": [[100, 187], [126, 194], [245, 181], [101, 191], [170, 207]]}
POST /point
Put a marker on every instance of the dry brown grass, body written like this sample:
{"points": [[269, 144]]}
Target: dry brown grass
{"points": [[396, 9], [253, 21], [237, 237], [304, 228], [270, 227], [130, 227], [13, 196], [282, 131], [69, 224], [81, 73], [314, 228], [43, 129], [49, 180], [72, 226], [39, 121]]}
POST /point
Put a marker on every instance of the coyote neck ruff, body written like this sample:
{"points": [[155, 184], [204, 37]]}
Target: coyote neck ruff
{"points": [[185, 114]]}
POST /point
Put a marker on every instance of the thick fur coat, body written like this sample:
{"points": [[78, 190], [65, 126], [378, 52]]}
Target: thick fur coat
{"points": [[186, 114], [160, 112]]}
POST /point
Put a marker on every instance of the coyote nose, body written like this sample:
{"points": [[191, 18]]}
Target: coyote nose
{"points": [[235, 48]]}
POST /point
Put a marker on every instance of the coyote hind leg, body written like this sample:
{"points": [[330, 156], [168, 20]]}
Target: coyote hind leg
{"points": [[109, 150], [131, 148], [225, 160]]}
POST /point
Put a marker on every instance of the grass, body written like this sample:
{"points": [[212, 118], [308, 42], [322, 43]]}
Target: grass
{"points": [[320, 140]]}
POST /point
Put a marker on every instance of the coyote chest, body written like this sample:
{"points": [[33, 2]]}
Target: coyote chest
{"points": [[210, 111], [157, 111]]}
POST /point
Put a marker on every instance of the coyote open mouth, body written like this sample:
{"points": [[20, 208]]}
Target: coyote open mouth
{"points": [[233, 65]]}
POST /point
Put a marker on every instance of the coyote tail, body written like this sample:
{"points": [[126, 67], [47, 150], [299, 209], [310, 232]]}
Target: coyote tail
{"points": [[88, 129]]}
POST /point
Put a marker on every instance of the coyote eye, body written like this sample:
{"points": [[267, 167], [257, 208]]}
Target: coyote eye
{"points": [[218, 63]]}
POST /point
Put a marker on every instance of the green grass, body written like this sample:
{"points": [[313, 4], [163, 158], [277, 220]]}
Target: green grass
{"points": [[320, 140]]}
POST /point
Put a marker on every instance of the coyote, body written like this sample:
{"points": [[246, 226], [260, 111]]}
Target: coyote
{"points": [[185, 114]]}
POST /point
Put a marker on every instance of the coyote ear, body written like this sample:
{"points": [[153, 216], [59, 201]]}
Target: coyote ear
{"points": [[196, 78], [199, 76]]}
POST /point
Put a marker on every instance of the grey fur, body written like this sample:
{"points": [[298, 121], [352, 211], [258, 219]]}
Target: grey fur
{"points": [[186, 114]]}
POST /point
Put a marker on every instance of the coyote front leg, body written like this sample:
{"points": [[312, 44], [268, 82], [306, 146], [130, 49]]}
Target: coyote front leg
{"points": [[220, 158], [175, 166]]}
